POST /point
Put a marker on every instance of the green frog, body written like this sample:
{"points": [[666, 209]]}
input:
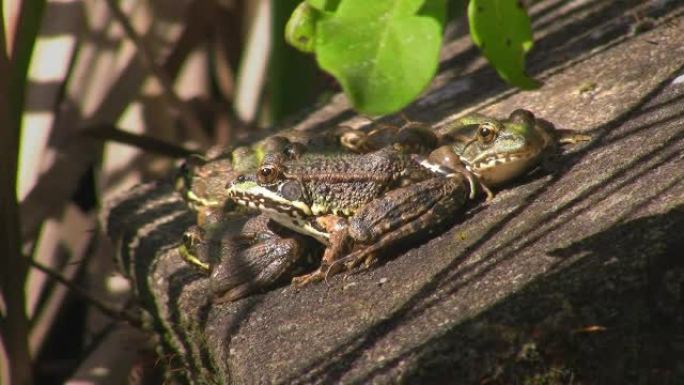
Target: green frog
{"points": [[498, 151], [364, 203], [347, 200]]}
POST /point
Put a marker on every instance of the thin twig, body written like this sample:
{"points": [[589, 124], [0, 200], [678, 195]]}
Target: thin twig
{"points": [[102, 307], [186, 114]]}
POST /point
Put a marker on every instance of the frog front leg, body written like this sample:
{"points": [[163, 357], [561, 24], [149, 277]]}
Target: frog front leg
{"points": [[398, 215], [249, 264], [239, 264], [257, 258]]}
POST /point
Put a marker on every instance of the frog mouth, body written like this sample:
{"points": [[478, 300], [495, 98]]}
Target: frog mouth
{"points": [[264, 199], [295, 215]]}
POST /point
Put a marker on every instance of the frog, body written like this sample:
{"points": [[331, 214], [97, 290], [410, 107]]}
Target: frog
{"points": [[359, 205], [201, 178], [347, 199], [498, 151]]}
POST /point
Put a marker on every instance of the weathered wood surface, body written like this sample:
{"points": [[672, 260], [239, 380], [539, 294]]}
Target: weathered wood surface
{"points": [[570, 277]]}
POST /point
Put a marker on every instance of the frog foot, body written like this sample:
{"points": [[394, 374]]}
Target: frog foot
{"points": [[488, 193], [359, 257], [320, 274]]}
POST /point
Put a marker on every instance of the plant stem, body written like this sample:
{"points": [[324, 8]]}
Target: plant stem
{"points": [[14, 326]]}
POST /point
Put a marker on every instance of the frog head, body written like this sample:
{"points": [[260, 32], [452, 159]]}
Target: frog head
{"points": [[283, 199], [500, 150]]}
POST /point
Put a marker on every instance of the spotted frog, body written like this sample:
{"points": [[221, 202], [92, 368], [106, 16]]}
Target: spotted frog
{"points": [[348, 201]]}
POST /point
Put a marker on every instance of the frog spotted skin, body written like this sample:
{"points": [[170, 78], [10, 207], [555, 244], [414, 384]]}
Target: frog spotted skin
{"points": [[266, 253], [412, 137], [294, 192], [358, 205]]}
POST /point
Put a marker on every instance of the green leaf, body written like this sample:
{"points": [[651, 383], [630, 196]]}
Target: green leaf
{"points": [[300, 30], [502, 30], [383, 52]]}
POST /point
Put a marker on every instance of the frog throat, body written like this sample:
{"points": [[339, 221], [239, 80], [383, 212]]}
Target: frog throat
{"points": [[499, 167], [293, 214]]}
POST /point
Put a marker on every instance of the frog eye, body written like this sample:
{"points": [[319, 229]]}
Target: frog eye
{"points": [[486, 133], [267, 174]]}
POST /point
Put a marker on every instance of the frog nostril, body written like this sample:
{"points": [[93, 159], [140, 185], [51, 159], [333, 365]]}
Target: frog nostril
{"points": [[238, 179]]}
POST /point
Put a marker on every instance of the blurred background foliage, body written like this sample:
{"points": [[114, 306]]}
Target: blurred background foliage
{"points": [[97, 96]]}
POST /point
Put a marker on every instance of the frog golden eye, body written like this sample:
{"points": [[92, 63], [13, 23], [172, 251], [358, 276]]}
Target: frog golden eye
{"points": [[267, 174], [486, 133]]}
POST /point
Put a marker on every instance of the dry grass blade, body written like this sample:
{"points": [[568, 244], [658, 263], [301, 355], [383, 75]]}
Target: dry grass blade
{"points": [[104, 308], [185, 113]]}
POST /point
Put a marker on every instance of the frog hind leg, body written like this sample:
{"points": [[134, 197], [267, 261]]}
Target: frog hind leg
{"points": [[417, 209], [428, 221], [340, 241]]}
